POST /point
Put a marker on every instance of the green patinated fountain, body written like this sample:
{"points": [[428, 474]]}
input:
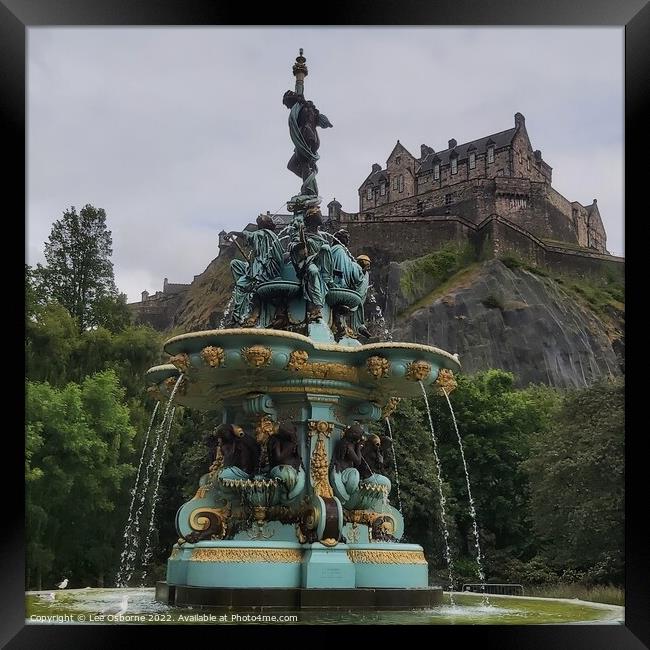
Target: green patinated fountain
{"points": [[295, 510]]}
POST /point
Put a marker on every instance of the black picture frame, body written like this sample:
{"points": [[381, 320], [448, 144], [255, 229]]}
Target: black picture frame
{"points": [[16, 16]]}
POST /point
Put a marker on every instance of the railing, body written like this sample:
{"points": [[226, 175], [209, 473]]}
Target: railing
{"points": [[495, 588]]}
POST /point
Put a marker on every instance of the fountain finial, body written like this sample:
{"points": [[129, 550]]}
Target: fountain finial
{"points": [[300, 72]]}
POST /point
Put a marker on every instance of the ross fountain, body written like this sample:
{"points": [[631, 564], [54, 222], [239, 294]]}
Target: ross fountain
{"points": [[295, 510]]}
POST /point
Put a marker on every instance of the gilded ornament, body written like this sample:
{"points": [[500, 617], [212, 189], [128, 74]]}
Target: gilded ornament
{"points": [[320, 464], [320, 426], [154, 391], [181, 361], [418, 370], [446, 382], [329, 541], [390, 407], [264, 428], [298, 360], [212, 355], [386, 557], [257, 356], [210, 522], [378, 366], [283, 555], [299, 363], [170, 382]]}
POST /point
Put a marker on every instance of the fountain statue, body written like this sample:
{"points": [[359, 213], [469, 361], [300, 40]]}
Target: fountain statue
{"points": [[296, 509]]}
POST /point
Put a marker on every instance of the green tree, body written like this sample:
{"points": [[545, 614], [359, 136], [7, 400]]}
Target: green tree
{"points": [[80, 455], [79, 271], [577, 483]]}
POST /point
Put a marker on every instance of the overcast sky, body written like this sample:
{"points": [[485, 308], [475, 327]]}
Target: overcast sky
{"points": [[179, 133]]}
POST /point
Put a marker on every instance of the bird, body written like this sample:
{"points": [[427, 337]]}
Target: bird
{"points": [[50, 596], [63, 584], [117, 611]]}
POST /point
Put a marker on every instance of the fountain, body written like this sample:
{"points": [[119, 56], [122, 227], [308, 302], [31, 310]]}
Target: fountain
{"points": [[295, 510]]}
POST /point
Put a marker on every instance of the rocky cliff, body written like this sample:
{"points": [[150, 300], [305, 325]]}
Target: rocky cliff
{"points": [[558, 331], [555, 330]]}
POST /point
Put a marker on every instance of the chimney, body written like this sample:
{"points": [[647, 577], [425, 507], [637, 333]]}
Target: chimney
{"points": [[376, 168], [595, 201], [538, 155], [425, 151], [145, 295], [452, 143], [520, 120]]}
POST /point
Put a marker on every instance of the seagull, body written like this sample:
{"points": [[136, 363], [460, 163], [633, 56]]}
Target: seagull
{"points": [[64, 584], [117, 611]]}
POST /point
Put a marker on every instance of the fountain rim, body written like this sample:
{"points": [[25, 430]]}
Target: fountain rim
{"points": [[327, 347]]}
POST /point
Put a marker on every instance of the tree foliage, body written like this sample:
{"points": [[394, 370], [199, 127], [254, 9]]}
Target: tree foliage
{"points": [[576, 471], [79, 457], [79, 271]]}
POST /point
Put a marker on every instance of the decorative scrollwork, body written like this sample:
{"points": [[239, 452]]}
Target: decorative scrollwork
{"points": [[299, 363], [207, 523], [386, 557], [259, 555]]}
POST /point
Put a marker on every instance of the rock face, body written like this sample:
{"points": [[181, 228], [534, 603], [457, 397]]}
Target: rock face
{"points": [[513, 319], [491, 315]]}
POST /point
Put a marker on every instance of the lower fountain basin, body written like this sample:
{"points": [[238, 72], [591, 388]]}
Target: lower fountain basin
{"points": [[83, 606]]}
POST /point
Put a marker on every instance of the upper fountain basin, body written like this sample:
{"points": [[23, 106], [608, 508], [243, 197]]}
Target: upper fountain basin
{"points": [[226, 364]]}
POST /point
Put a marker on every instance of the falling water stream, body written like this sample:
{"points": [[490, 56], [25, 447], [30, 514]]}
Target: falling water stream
{"points": [[226, 311], [443, 514], [148, 550], [472, 510], [392, 449], [128, 530], [126, 572]]}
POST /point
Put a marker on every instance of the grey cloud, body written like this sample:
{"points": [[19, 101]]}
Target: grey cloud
{"points": [[179, 133]]}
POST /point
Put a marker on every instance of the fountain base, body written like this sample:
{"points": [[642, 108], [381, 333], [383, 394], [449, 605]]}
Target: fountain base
{"points": [[233, 573], [255, 599]]}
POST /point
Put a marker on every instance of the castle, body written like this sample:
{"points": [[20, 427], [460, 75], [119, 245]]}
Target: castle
{"points": [[496, 174], [492, 194]]}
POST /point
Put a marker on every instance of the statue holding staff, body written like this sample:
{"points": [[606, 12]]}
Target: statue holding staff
{"points": [[264, 263]]}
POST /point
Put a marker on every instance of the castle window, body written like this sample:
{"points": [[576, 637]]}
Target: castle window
{"points": [[436, 172], [398, 160], [395, 181], [401, 184], [528, 164], [490, 154], [419, 207], [449, 199], [472, 160], [369, 194], [454, 165], [382, 189]]}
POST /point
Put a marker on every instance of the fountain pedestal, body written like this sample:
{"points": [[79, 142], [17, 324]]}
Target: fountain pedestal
{"points": [[253, 533]]}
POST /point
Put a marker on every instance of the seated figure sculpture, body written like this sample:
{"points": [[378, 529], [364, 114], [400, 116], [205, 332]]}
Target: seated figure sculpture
{"points": [[241, 453], [285, 462], [350, 273], [347, 462], [311, 257], [264, 264]]}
